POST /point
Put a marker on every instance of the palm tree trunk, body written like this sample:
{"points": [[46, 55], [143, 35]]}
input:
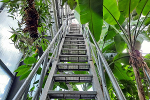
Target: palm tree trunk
{"points": [[137, 61], [139, 83]]}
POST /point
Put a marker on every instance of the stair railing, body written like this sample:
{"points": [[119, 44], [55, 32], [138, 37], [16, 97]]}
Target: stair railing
{"points": [[100, 61], [44, 58]]}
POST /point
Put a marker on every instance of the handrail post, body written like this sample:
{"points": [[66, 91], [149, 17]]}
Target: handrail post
{"points": [[37, 93], [89, 46], [55, 14]]}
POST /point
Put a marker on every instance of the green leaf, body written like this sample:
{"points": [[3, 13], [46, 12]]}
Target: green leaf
{"points": [[147, 21], [111, 33], [13, 37], [95, 26], [25, 75], [63, 2], [143, 36], [36, 82], [147, 60], [124, 6], [35, 55], [77, 7], [63, 85], [119, 43], [147, 56], [109, 47], [44, 47], [29, 60], [121, 20], [5, 1], [50, 54], [141, 6], [20, 68], [39, 71], [120, 73], [80, 72], [23, 70], [72, 4], [89, 86], [91, 11], [32, 89], [122, 58], [111, 5], [75, 88], [88, 7]]}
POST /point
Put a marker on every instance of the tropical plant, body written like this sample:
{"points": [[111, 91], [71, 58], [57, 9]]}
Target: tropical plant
{"points": [[33, 17], [119, 25], [30, 35]]}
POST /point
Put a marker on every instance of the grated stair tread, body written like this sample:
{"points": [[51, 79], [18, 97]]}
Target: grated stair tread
{"points": [[72, 94], [73, 66], [72, 78]]}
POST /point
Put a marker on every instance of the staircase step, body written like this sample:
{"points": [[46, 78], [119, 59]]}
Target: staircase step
{"points": [[74, 46], [73, 58], [73, 67], [73, 51], [76, 31], [73, 38], [74, 42], [72, 94], [73, 29], [72, 78], [76, 35]]}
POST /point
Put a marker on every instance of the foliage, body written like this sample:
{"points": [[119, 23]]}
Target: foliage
{"points": [[117, 25], [23, 37], [33, 17], [125, 27]]}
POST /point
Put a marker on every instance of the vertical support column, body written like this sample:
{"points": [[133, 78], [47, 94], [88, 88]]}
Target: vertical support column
{"points": [[89, 46], [57, 11], [55, 15], [62, 13]]}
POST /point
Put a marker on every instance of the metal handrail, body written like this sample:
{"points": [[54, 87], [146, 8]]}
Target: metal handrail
{"points": [[44, 70], [34, 70], [100, 69], [115, 84]]}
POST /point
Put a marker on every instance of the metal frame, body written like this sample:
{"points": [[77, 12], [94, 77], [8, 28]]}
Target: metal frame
{"points": [[4, 67]]}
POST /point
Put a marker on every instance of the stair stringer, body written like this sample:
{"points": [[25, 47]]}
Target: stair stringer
{"points": [[95, 82], [49, 82]]}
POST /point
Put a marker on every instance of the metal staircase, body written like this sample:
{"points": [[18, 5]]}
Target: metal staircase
{"points": [[73, 56], [71, 51]]}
